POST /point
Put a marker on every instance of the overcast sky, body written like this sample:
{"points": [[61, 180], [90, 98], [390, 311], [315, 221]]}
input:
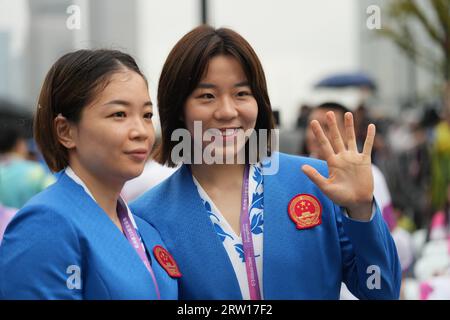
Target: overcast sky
{"points": [[298, 41]]}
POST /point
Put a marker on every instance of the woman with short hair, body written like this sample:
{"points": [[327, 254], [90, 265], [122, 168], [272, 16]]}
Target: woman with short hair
{"points": [[267, 227], [78, 239]]}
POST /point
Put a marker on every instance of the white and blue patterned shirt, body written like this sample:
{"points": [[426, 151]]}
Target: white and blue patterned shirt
{"points": [[230, 240]]}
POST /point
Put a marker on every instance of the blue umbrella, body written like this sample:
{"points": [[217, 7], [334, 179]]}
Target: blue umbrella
{"points": [[358, 79]]}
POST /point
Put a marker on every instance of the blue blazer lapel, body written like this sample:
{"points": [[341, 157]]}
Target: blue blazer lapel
{"points": [[99, 227], [275, 237], [207, 263]]}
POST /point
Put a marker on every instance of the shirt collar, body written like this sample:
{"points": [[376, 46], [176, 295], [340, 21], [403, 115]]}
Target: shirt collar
{"points": [[71, 174]]}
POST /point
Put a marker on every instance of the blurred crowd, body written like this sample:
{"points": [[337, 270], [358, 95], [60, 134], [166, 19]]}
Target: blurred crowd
{"points": [[411, 169], [411, 160], [22, 175]]}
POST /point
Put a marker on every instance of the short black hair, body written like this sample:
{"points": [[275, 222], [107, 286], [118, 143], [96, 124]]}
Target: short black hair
{"points": [[333, 106], [15, 125], [10, 135]]}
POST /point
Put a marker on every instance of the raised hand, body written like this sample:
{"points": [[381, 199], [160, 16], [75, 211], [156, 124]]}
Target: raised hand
{"points": [[350, 180]]}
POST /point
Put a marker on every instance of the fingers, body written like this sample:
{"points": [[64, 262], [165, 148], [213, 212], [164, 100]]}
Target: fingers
{"points": [[350, 132], [324, 144], [315, 176], [368, 144], [335, 135]]}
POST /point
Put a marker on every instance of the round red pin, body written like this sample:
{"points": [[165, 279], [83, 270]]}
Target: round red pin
{"points": [[305, 211], [166, 261]]}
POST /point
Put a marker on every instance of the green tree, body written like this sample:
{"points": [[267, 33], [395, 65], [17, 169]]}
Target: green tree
{"points": [[404, 19]]}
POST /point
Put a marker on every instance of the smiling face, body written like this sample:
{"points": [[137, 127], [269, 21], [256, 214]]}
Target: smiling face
{"points": [[115, 134], [223, 100]]}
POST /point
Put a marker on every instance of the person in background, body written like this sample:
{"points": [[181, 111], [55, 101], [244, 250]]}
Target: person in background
{"points": [[382, 195], [302, 120], [381, 191], [20, 178], [440, 164], [439, 228]]}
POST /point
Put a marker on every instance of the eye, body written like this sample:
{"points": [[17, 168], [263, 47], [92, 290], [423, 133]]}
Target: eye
{"points": [[244, 93], [148, 115], [206, 96], [119, 114]]}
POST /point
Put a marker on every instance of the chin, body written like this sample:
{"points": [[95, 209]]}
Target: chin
{"points": [[132, 173]]}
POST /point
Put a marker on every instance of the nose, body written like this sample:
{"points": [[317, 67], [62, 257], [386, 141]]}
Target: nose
{"points": [[227, 109], [140, 129]]}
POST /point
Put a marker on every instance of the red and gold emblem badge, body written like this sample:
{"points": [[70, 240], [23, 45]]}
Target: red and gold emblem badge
{"points": [[166, 261], [305, 210]]}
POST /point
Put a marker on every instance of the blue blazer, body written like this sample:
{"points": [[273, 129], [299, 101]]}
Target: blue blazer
{"points": [[61, 234], [297, 264]]}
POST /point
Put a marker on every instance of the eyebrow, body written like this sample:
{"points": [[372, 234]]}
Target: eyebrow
{"points": [[213, 86], [127, 103]]}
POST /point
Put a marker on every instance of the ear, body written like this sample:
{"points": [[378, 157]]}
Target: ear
{"points": [[65, 131]]}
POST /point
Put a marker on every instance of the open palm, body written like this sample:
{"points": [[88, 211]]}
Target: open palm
{"points": [[350, 181]]}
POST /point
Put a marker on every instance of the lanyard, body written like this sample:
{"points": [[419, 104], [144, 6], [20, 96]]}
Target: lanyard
{"points": [[247, 242], [133, 239]]}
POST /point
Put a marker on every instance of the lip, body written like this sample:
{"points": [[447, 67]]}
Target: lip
{"points": [[234, 130], [138, 154], [228, 128], [224, 130]]}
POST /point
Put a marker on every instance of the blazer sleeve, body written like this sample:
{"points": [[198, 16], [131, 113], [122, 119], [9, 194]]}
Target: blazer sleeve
{"points": [[371, 267], [40, 257]]}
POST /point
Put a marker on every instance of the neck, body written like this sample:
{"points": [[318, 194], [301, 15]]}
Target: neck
{"points": [[218, 175], [104, 191]]}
